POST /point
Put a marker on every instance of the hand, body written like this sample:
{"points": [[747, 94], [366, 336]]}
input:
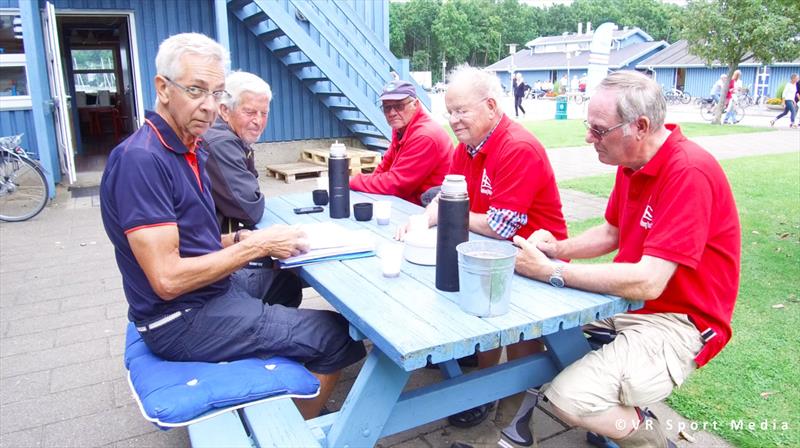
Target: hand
{"points": [[545, 242], [279, 241], [531, 262]]}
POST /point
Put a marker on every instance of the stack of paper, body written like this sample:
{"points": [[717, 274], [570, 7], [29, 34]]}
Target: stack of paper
{"points": [[330, 241]]}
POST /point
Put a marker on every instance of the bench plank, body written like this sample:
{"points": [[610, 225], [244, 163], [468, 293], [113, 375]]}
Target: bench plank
{"points": [[278, 423], [223, 430]]}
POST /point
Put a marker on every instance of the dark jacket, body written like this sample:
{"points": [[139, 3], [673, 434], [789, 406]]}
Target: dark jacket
{"points": [[234, 179], [520, 88]]}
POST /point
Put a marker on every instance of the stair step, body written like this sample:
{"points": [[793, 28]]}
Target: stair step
{"points": [[271, 34], [353, 118], [255, 19], [368, 133], [237, 4], [377, 143], [296, 61], [284, 51], [311, 74], [338, 103]]}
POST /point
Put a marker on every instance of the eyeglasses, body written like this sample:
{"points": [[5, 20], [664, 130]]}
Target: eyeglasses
{"points": [[197, 93], [399, 107], [463, 111], [598, 134]]}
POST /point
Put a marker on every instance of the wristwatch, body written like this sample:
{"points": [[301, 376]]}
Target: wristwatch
{"points": [[556, 279]]}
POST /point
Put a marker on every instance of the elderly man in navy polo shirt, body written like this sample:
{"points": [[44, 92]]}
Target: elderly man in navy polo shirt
{"points": [[176, 268]]}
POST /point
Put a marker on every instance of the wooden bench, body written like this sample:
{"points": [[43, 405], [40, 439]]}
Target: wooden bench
{"points": [[275, 423], [361, 161], [290, 172]]}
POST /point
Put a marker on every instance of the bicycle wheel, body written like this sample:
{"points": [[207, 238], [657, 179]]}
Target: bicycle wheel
{"points": [[707, 111], [686, 98], [23, 189]]}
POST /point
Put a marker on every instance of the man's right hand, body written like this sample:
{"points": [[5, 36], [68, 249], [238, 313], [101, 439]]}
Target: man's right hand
{"points": [[545, 242], [279, 241]]}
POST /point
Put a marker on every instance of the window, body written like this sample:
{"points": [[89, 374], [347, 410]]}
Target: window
{"points": [[14, 93], [94, 70]]}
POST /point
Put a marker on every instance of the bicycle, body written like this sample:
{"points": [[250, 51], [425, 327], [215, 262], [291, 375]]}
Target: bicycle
{"points": [[23, 185], [708, 108]]}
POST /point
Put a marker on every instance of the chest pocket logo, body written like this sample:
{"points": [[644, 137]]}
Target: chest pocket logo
{"points": [[486, 184], [647, 218]]}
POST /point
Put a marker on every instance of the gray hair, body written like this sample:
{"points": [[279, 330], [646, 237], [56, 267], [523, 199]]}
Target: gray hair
{"points": [[485, 84], [238, 83], [173, 48], [637, 95]]}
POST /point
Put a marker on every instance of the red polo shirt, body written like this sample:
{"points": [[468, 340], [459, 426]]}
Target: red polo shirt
{"points": [[414, 162], [679, 207], [511, 171]]}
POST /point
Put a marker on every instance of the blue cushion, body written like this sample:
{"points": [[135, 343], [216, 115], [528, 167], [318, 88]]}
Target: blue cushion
{"points": [[181, 393]]}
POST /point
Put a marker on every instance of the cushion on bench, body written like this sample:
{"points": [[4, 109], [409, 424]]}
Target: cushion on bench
{"points": [[172, 394]]}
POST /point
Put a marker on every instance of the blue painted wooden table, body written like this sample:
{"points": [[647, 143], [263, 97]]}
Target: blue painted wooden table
{"points": [[410, 322]]}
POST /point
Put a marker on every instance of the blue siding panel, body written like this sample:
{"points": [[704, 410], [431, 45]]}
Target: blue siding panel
{"points": [[13, 122], [700, 80], [778, 76], [13, 4]]}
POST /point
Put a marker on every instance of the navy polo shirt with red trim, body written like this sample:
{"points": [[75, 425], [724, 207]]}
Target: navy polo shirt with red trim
{"points": [[153, 179]]}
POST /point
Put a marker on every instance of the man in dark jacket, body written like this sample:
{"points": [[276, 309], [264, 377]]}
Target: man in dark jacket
{"points": [[519, 88], [239, 203], [234, 179]]}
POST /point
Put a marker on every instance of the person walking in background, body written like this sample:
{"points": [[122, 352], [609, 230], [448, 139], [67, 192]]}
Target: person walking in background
{"points": [[716, 89], [789, 102], [732, 98], [519, 92]]}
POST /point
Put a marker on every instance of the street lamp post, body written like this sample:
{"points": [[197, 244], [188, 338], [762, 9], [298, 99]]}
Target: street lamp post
{"points": [[444, 69], [512, 50]]}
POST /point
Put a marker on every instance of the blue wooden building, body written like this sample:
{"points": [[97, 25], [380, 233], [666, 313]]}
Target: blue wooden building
{"points": [[674, 66], [77, 75], [548, 58]]}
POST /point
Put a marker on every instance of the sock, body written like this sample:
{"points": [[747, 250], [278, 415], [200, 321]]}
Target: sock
{"points": [[519, 430]]}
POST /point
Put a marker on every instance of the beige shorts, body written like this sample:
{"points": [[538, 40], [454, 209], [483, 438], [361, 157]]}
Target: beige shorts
{"points": [[652, 354]]}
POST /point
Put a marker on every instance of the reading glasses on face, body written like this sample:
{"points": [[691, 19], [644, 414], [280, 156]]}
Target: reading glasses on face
{"points": [[197, 93], [598, 134], [463, 110]]}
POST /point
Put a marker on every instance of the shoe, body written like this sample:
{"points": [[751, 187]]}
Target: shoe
{"points": [[772, 123], [471, 417], [599, 441]]}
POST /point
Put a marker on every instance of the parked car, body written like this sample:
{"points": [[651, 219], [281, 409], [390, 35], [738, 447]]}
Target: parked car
{"points": [[439, 87]]}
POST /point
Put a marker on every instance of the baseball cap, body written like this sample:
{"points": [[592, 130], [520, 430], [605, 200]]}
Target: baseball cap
{"points": [[398, 90]]}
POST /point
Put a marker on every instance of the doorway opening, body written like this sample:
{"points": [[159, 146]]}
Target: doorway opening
{"points": [[680, 82], [96, 51]]}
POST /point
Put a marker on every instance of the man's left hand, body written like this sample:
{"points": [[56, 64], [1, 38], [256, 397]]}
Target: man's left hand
{"points": [[531, 262]]}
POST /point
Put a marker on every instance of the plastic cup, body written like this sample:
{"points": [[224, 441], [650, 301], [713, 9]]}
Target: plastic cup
{"points": [[391, 259], [383, 212]]}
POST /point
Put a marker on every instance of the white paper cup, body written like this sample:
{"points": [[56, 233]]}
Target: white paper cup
{"points": [[382, 211], [391, 259]]}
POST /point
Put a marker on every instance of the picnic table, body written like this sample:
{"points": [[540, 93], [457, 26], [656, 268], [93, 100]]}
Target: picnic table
{"points": [[411, 323]]}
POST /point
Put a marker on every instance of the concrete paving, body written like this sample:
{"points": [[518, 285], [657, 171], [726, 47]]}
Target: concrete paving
{"points": [[63, 314]]}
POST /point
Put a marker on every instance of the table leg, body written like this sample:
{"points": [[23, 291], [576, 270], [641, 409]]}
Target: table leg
{"points": [[371, 400], [566, 346]]}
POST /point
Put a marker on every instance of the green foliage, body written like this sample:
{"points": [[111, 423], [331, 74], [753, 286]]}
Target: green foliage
{"points": [[779, 92], [729, 31]]}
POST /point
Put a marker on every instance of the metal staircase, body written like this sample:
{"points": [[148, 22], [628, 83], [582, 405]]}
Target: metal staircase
{"points": [[333, 52]]}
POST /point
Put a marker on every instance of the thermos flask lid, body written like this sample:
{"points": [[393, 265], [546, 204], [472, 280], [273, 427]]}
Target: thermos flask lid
{"points": [[338, 149], [454, 184]]}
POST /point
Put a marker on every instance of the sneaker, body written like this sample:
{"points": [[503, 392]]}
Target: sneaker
{"points": [[471, 417]]}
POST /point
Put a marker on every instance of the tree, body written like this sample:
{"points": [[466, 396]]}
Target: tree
{"points": [[730, 31]]}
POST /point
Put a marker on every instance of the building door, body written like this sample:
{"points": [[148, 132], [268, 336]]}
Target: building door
{"points": [[680, 80], [58, 91]]}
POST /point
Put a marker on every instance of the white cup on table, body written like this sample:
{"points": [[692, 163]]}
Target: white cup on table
{"points": [[391, 255], [383, 212]]}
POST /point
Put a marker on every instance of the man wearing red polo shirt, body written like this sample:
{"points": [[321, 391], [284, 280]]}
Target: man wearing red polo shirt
{"points": [[419, 155], [511, 185], [672, 218]]}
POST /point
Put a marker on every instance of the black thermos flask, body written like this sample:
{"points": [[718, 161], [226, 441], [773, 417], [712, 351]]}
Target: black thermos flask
{"points": [[339, 181], [452, 229]]}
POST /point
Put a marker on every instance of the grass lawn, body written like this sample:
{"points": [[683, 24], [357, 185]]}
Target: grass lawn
{"points": [[755, 378], [563, 133]]}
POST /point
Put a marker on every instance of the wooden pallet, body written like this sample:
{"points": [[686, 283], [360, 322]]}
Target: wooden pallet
{"points": [[361, 161], [290, 172]]}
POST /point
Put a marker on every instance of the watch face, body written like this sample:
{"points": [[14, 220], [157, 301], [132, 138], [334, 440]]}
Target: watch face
{"points": [[558, 282]]}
